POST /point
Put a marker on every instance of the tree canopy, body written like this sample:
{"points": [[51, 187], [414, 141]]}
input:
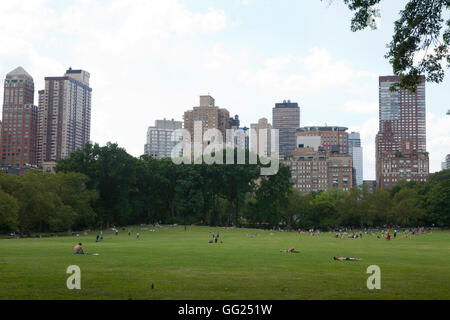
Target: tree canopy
{"points": [[98, 187], [421, 40]]}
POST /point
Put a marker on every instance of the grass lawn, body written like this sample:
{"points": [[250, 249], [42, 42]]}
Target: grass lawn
{"points": [[183, 265]]}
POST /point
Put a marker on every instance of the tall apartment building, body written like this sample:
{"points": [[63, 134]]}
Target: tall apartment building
{"points": [[286, 118], [402, 132], [64, 116], [19, 127], [333, 139], [266, 149], [355, 149], [316, 170], [159, 138], [207, 116], [408, 164]]}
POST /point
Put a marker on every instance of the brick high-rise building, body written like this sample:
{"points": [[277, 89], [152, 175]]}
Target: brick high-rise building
{"points": [[401, 135], [286, 118], [316, 170], [19, 127], [207, 116], [334, 139], [408, 164], [64, 116]]}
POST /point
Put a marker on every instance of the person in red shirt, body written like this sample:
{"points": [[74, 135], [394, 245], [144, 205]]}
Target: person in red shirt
{"points": [[388, 237]]}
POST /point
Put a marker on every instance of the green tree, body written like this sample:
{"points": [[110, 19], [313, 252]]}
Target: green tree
{"points": [[72, 190], [325, 211], [272, 195], [9, 212], [298, 212], [377, 206], [418, 35], [189, 197], [352, 211], [237, 180], [438, 204], [406, 210]]}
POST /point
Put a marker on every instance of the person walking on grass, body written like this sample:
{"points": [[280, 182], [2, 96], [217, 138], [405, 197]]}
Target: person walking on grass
{"points": [[137, 235]]}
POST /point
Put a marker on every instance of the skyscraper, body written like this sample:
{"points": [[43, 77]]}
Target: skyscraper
{"points": [[19, 128], [64, 115], [401, 117], [206, 116], [286, 118], [355, 149], [159, 138], [263, 150], [401, 139]]}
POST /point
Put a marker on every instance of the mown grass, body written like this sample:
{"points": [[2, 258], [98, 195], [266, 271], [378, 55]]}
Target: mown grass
{"points": [[183, 265]]}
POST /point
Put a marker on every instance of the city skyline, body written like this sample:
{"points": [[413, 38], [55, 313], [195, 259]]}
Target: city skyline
{"points": [[220, 47]]}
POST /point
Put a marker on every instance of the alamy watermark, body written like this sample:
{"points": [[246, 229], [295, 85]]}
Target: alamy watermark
{"points": [[74, 281], [208, 146], [374, 281]]}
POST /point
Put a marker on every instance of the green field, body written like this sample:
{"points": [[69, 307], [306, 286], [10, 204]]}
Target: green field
{"points": [[183, 265]]}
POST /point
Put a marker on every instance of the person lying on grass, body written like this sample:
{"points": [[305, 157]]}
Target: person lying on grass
{"points": [[291, 250], [346, 259]]}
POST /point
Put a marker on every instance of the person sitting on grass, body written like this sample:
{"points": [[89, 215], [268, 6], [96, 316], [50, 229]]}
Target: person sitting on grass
{"points": [[291, 250], [78, 249], [346, 259]]}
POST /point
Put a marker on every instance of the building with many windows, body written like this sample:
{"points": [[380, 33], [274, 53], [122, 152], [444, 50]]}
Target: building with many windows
{"points": [[159, 139], [316, 170], [286, 119], [64, 116], [408, 164], [401, 139], [333, 139], [19, 127], [204, 117], [355, 149], [261, 143]]}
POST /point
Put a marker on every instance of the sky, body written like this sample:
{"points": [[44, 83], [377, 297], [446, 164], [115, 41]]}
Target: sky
{"points": [[152, 59]]}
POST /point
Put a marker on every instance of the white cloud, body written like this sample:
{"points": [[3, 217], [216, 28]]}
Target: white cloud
{"points": [[360, 106], [438, 139], [123, 44], [315, 72]]}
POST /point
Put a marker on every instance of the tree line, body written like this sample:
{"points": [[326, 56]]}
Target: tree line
{"points": [[98, 187]]}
